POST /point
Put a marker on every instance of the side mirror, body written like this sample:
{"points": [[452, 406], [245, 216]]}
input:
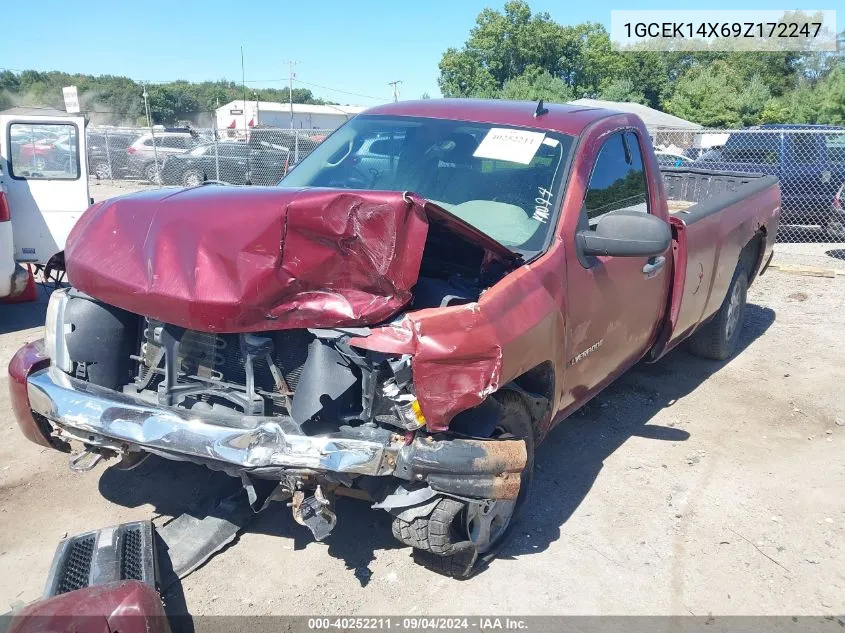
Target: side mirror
{"points": [[626, 234]]}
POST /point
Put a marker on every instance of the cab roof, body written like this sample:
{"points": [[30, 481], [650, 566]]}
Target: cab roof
{"points": [[566, 119]]}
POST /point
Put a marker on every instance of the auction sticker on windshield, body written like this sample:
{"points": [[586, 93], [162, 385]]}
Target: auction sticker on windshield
{"points": [[516, 146]]}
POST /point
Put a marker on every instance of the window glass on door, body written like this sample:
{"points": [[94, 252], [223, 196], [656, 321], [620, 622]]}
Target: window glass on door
{"points": [[618, 178], [44, 151]]}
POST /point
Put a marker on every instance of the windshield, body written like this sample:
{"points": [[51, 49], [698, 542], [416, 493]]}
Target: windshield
{"points": [[504, 181], [201, 150]]}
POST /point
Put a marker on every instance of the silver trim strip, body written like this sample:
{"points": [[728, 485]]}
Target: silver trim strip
{"points": [[244, 442]]}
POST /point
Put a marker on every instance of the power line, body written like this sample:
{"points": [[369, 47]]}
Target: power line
{"points": [[345, 92]]}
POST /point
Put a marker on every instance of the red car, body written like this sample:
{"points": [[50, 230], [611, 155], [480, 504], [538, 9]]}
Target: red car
{"points": [[403, 324]]}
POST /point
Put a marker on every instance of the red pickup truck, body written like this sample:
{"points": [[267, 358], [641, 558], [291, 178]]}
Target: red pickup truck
{"points": [[421, 300]]}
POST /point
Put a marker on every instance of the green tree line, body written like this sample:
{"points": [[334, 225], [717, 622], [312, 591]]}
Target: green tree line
{"points": [[517, 54], [109, 99]]}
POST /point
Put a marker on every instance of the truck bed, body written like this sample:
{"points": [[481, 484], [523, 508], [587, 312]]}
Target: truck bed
{"points": [[714, 214]]}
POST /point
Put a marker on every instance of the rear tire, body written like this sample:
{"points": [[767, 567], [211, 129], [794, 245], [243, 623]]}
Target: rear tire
{"points": [[193, 178], [445, 540], [718, 339]]}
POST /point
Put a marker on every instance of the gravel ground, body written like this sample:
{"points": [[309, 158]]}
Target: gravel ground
{"points": [[689, 486]]}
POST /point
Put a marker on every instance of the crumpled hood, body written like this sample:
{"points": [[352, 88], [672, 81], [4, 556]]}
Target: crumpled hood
{"points": [[251, 259]]}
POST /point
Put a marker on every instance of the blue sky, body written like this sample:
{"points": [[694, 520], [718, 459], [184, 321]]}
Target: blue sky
{"points": [[354, 46]]}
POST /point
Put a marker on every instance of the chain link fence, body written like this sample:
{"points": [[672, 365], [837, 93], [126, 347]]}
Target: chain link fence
{"points": [[808, 161], [172, 156]]}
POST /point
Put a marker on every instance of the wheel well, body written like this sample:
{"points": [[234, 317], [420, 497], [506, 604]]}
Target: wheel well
{"points": [[752, 254], [536, 388]]}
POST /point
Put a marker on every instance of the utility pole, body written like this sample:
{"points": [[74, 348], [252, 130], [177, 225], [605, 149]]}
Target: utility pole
{"points": [[152, 132], [395, 85], [291, 75], [243, 83]]}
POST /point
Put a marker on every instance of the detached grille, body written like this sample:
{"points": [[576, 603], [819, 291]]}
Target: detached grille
{"points": [[77, 566], [123, 552]]}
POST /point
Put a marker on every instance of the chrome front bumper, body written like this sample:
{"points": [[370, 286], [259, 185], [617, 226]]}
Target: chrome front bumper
{"points": [[122, 422]]}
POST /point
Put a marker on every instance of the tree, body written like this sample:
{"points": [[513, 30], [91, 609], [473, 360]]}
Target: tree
{"points": [[500, 47], [832, 98], [623, 90], [707, 96], [536, 84]]}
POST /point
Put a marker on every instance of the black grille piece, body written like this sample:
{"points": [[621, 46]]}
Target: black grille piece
{"points": [[77, 565], [121, 552], [131, 561]]}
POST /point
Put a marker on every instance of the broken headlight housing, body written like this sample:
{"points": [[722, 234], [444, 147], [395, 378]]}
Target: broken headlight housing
{"points": [[398, 397]]}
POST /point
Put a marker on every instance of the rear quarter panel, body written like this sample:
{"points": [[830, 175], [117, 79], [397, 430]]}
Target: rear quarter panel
{"points": [[708, 245]]}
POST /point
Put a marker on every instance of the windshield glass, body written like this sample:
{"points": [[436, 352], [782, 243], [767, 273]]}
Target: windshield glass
{"points": [[504, 181], [201, 150]]}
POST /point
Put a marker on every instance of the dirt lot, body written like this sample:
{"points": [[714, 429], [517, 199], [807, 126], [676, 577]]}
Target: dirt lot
{"points": [[688, 487]]}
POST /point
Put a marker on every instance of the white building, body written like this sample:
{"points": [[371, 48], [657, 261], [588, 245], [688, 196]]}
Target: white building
{"points": [[242, 115], [653, 119]]}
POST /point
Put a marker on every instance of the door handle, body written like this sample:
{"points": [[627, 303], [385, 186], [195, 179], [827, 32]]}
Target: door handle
{"points": [[653, 265]]}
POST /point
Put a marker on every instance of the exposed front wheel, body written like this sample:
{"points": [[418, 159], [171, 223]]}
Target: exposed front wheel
{"points": [[718, 339], [456, 533]]}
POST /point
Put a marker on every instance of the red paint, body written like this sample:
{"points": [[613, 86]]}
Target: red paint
{"points": [[128, 606], [234, 260], [28, 359], [5, 213]]}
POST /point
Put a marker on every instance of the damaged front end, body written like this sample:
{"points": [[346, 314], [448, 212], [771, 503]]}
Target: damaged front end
{"points": [[298, 413]]}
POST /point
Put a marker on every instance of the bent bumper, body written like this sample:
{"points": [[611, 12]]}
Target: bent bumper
{"points": [[120, 422], [97, 415]]}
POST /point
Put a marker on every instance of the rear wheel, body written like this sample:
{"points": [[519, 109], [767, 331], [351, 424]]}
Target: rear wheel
{"points": [[456, 533], [718, 338], [192, 178]]}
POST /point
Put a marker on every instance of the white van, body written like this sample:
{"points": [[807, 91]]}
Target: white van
{"points": [[43, 189]]}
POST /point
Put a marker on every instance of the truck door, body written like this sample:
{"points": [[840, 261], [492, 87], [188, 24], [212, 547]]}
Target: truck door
{"points": [[46, 181], [615, 303]]}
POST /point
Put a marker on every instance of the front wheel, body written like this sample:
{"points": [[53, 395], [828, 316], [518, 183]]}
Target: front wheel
{"points": [[457, 533], [152, 173], [718, 339], [102, 171]]}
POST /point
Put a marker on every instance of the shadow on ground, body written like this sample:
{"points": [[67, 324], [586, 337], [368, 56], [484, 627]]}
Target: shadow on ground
{"points": [[15, 317], [568, 463]]}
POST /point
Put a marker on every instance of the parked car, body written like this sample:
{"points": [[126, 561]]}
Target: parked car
{"points": [[146, 156], [49, 154], [406, 337], [809, 161], [670, 159], [233, 163], [107, 156]]}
